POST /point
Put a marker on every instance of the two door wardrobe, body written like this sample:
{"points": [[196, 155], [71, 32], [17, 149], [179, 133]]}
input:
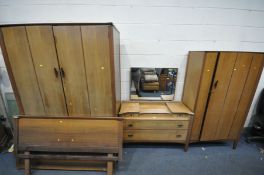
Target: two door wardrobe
{"points": [[219, 88], [63, 69]]}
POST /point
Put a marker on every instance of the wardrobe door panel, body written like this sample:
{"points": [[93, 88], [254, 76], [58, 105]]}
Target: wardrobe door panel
{"points": [[192, 78], [97, 61], [247, 95], [218, 93], [20, 61], [116, 88], [204, 88], [72, 69], [233, 95], [44, 56]]}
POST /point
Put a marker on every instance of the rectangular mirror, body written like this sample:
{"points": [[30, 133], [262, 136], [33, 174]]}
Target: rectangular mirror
{"points": [[153, 83]]}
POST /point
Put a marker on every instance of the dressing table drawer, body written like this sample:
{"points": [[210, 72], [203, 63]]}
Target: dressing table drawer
{"points": [[156, 124], [155, 135]]}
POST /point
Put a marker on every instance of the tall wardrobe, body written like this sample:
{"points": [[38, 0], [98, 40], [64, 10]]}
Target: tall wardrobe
{"points": [[63, 69], [219, 88]]}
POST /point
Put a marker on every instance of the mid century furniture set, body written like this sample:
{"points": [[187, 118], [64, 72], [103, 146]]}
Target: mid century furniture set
{"points": [[66, 79]]}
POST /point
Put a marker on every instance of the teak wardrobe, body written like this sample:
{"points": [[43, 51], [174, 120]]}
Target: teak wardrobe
{"points": [[63, 69], [219, 88]]}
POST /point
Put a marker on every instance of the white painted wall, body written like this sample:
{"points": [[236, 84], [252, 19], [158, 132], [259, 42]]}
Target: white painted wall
{"points": [[157, 33]]}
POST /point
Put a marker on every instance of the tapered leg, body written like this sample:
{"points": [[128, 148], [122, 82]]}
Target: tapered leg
{"points": [[110, 166], [235, 144], [186, 146], [27, 165]]}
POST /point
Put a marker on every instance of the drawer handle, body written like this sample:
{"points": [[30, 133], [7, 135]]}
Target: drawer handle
{"points": [[130, 125], [130, 135], [180, 125], [178, 135]]}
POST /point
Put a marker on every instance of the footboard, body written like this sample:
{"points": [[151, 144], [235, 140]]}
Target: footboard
{"points": [[68, 138]]}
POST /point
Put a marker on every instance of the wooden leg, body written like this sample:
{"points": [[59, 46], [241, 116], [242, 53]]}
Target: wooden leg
{"points": [[110, 166], [235, 144], [27, 165], [186, 146]]}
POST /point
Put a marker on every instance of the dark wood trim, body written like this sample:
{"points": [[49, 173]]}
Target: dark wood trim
{"points": [[10, 74], [67, 157], [112, 67], [69, 117]]}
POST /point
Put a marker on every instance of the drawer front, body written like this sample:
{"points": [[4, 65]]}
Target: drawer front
{"points": [[163, 115], [155, 124], [155, 135]]}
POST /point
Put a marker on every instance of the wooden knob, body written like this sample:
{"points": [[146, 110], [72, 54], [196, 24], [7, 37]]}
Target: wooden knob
{"points": [[178, 136], [130, 125], [130, 135]]}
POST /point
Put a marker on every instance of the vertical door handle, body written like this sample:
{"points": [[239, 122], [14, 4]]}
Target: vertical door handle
{"points": [[215, 84], [56, 72], [62, 73]]}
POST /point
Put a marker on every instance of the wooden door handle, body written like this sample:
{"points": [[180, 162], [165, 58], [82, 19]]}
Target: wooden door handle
{"points": [[178, 135], [130, 135], [62, 73], [215, 84], [56, 72], [130, 125]]}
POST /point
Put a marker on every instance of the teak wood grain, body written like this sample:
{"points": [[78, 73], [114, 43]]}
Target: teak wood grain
{"points": [[202, 97], [71, 61], [249, 90], [156, 124], [19, 57], [68, 134], [218, 94], [116, 68], [96, 48], [155, 135], [192, 78], [178, 107], [234, 94], [148, 107], [44, 56]]}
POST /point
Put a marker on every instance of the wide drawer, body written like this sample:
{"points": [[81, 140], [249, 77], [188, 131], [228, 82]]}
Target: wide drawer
{"points": [[155, 124], [155, 135]]}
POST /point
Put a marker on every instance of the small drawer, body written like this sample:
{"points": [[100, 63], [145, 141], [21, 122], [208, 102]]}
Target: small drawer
{"points": [[155, 135], [156, 124]]}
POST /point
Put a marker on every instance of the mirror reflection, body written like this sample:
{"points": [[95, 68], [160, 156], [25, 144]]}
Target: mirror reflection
{"points": [[153, 83]]}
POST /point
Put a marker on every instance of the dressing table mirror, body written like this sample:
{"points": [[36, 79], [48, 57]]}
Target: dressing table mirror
{"points": [[153, 83]]}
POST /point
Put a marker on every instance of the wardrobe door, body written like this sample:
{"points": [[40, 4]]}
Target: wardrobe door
{"points": [[44, 56], [72, 69], [203, 89], [20, 61], [233, 95], [218, 93], [249, 89], [97, 62]]}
